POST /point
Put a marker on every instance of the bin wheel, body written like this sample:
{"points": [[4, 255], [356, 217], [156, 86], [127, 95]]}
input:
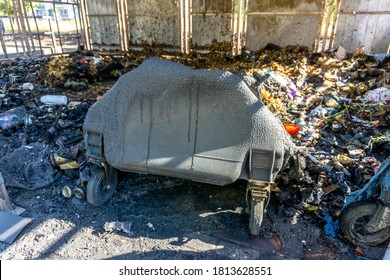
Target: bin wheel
{"points": [[353, 220], [256, 212], [100, 190]]}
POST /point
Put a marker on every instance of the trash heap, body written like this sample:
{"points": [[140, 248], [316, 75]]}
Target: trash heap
{"points": [[335, 106], [339, 110]]}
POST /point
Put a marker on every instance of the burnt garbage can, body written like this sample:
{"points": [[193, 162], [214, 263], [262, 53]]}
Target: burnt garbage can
{"points": [[167, 119]]}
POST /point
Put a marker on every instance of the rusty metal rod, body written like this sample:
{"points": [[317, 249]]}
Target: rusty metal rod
{"points": [[102, 15], [12, 26], [365, 13], [153, 15], [283, 13]]}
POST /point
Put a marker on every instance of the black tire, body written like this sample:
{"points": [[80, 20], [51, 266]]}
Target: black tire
{"points": [[98, 190], [256, 215], [354, 218]]}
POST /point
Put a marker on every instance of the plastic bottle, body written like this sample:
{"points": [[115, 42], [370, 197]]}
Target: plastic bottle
{"points": [[12, 117], [54, 99]]}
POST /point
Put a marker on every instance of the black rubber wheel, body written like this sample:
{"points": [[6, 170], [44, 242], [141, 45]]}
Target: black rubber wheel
{"points": [[256, 209], [353, 220], [100, 190]]}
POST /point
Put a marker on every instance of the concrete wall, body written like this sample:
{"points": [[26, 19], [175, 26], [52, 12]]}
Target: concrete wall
{"points": [[275, 24], [281, 22], [211, 20], [357, 27], [154, 21], [103, 28]]}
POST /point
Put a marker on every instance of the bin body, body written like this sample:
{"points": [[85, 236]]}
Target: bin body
{"points": [[167, 119]]}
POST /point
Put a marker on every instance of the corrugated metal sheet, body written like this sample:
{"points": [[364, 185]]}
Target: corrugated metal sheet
{"points": [[364, 23]]}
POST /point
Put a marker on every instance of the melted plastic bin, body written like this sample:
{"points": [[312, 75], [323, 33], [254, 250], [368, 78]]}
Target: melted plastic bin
{"points": [[167, 119]]}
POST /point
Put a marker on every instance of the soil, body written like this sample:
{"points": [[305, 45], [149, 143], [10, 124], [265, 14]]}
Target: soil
{"points": [[167, 218]]}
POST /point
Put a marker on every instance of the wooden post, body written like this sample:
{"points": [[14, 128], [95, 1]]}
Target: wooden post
{"points": [[330, 7], [239, 25], [334, 24], [185, 25]]}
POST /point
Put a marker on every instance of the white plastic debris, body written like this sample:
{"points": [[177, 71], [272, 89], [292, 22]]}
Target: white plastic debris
{"points": [[120, 226], [150, 225], [377, 95], [28, 86], [54, 99]]}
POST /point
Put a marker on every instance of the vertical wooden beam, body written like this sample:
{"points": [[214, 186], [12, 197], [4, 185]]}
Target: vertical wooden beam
{"points": [[319, 33], [325, 39], [239, 17], [122, 23], [334, 23], [85, 14], [185, 25], [118, 10], [126, 24]]}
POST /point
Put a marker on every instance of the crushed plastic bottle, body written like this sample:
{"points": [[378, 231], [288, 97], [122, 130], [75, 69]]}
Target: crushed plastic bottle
{"points": [[54, 99], [12, 117]]}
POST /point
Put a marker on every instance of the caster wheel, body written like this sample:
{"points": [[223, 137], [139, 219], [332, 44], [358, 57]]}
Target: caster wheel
{"points": [[256, 212], [353, 220], [99, 189]]}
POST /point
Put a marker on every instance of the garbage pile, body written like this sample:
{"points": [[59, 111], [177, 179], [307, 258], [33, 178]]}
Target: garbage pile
{"points": [[335, 106], [40, 126]]}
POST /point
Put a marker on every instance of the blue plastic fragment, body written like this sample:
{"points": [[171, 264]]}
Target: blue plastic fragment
{"points": [[331, 226]]}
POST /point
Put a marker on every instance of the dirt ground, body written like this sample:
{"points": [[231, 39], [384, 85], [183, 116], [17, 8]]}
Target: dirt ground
{"points": [[152, 217], [166, 218]]}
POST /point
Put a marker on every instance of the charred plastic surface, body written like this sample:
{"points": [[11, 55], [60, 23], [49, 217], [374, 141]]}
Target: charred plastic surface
{"points": [[168, 119]]}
